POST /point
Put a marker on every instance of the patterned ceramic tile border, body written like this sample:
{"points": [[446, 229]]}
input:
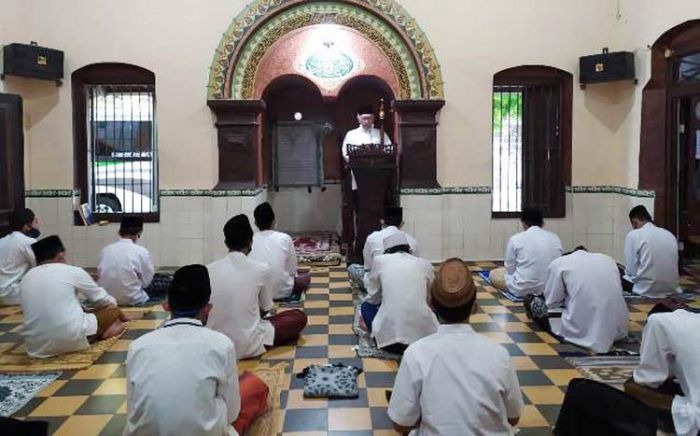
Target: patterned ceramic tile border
{"points": [[447, 190], [54, 193], [487, 190], [49, 193], [389, 10], [607, 189]]}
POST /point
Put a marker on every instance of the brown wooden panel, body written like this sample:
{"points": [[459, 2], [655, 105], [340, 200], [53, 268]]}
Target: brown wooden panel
{"points": [[11, 158]]}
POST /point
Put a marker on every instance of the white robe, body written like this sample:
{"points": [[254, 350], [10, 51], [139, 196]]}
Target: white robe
{"points": [[16, 257], [588, 285], [670, 348], [276, 249], [182, 379], [240, 289], [54, 321], [651, 261], [360, 136], [125, 269], [457, 382], [400, 283], [528, 255]]}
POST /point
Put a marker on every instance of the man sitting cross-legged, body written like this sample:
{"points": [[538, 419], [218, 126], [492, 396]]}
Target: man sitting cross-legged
{"points": [[276, 249], [182, 378], [126, 270], [242, 297], [16, 256], [455, 382], [374, 245], [54, 321], [651, 257], [587, 285], [396, 309], [528, 255], [668, 375]]}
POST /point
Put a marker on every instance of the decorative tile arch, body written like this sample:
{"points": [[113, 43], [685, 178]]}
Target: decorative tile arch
{"points": [[264, 22]]}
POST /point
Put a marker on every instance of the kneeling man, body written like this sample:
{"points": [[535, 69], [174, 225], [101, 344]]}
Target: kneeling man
{"points": [[396, 308], [182, 378], [588, 286], [455, 382], [528, 255], [54, 321], [16, 256], [241, 297]]}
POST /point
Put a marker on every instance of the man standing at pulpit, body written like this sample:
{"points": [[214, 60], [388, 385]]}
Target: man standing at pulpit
{"points": [[365, 133]]}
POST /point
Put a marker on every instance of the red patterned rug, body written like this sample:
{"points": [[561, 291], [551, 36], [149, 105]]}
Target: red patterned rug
{"points": [[317, 248]]}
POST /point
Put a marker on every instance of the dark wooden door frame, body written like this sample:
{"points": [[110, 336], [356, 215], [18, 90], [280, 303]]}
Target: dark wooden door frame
{"points": [[11, 158], [657, 151]]}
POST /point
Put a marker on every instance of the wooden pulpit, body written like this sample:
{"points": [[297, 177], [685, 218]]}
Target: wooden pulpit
{"points": [[374, 167]]}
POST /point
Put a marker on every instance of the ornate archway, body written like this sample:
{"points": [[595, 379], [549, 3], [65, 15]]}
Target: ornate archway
{"points": [[330, 43]]}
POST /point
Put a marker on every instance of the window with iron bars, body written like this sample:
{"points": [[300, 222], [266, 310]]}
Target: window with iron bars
{"points": [[507, 149], [122, 149]]}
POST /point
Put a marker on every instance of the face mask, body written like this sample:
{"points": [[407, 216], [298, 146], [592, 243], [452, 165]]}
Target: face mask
{"points": [[33, 233]]}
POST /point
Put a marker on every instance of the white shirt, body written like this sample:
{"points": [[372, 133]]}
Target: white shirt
{"points": [[16, 257], [400, 283], [360, 136], [125, 269], [276, 249], [458, 383], [528, 255], [182, 379], [240, 289], [651, 261], [54, 321], [588, 284], [670, 348]]}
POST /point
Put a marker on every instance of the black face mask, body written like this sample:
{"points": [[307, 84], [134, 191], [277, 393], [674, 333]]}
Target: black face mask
{"points": [[33, 233]]}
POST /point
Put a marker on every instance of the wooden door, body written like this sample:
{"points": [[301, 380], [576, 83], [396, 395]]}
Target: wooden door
{"points": [[11, 158]]}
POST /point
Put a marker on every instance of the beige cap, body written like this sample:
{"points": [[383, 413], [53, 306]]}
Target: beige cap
{"points": [[453, 285]]}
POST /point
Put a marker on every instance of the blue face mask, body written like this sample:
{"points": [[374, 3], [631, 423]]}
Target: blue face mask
{"points": [[33, 233]]}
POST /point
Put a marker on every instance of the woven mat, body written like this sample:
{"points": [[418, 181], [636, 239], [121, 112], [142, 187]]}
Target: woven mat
{"points": [[612, 370], [366, 345], [270, 423]]}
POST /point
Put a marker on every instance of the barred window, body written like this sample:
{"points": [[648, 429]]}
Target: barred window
{"points": [[116, 141]]}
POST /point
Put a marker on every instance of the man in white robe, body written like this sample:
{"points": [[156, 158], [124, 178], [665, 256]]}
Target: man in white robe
{"points": [[241, 297], [588, 286], [365, 133], [16, 256], [392, 222], [276, 249], [670, 350], [455, 382], [396, 308], [528, 254], [54, 321], [126, 269], [651, 257]]}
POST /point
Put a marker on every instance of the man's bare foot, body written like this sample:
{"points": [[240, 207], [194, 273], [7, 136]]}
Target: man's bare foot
{"points": [[115, 329], [363, 325]]}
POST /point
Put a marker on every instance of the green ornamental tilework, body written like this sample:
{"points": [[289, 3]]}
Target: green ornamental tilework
{"points": [[389, 10]]}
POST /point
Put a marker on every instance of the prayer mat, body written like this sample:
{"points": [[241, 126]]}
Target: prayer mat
{"points": [[269, 423], [16, 390], [631, 297], [611, 370], [292, 301], [505, 292], [366, 345], [317, 249]]}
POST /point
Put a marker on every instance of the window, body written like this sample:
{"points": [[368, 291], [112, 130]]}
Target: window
{"points": [[115, 136], [689, 68], [531, 140]]}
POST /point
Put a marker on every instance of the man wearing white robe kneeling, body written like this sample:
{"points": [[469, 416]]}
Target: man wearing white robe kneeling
{"points": [[396, 309], [54, 321]]}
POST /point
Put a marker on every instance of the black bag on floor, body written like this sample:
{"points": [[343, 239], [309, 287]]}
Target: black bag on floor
{"points": [[15, 427], [593, 408]]}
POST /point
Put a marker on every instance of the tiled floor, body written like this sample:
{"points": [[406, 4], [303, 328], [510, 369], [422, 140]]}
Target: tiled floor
{"points": [[92, 401]]}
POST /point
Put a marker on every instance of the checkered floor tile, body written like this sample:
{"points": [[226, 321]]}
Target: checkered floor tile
{"points": [[92, 401]]}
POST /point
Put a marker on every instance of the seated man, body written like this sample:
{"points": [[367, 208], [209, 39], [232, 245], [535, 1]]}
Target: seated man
{"points": [[16, 256], [374, 245], [651, 257], [528, 255], [126, 269], [54, 321], [396, 308], [276, 249], [183, 378], [455, 382], [669, 349], [588, 286], [241, 297]]}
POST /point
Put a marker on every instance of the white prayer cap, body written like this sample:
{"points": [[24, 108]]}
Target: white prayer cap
{"points": [[395, 240]]}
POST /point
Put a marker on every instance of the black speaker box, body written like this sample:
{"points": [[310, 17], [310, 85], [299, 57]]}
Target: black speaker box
{"points": [[29, 60], [607, 67]]}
